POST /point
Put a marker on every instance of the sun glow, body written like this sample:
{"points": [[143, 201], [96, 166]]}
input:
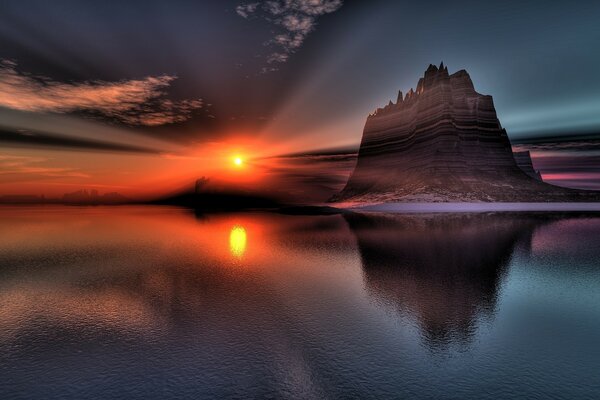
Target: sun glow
{"points": [[238, 161], [237, 241]]}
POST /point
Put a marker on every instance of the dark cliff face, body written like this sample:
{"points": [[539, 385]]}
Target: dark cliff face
{"points": [[442, 142], [523, 160]]}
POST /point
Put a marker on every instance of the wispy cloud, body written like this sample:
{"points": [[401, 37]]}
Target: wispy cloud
{"points": [[44, 139], [563, 145], [295, 19], [312, 176], [19, 165], [566, 160], [133, 102], [245, 10]]}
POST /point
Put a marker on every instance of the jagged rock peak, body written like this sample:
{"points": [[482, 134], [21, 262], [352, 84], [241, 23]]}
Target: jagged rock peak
{"points": [[444, 142], [431, 68], [433, 77]]}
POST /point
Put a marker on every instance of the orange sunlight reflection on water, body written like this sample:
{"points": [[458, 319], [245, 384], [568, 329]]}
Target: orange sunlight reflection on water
{"points": [[237, 241]]}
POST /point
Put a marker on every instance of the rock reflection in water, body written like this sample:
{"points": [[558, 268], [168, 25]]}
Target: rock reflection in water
{"points": [[150, 302], [442, 270]]}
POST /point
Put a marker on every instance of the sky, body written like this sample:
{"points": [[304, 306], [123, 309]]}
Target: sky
{"points": [[144, 97]]}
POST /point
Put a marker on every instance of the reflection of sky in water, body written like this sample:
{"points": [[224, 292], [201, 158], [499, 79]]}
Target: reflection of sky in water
{"points": [[143, 300]]}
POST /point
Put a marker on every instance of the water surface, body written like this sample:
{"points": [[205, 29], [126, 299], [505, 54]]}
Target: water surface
{"points": [[155, 303]]}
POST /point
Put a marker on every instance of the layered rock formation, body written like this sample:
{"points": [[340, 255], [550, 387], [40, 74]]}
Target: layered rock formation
{"points": [[442, 142]]}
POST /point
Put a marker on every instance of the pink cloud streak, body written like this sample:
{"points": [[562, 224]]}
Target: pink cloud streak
{"points": [[134, 102]]}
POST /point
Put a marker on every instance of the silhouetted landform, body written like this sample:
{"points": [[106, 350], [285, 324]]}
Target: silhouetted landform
{"points": [[444, 271], [80, 197], [207, 198], [523, 160], [478, 207], [443, 142], [24, 199], [312, 210], [93, 197]]}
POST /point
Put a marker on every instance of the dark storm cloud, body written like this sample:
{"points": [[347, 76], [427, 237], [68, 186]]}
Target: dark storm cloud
{"points": [[41, 139]]}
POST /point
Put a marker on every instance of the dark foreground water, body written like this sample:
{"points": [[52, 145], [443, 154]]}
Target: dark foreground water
{"points": [[157, 303]]}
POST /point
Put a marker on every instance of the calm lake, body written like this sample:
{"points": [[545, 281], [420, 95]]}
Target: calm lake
{"points": [[157, 303]]}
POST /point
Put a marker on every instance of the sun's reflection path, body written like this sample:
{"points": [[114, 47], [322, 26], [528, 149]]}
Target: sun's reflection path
{"points": [[237, 241]]}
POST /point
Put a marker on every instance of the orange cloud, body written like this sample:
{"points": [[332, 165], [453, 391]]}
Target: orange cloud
{"points": [[134, 102], [18, 165]]}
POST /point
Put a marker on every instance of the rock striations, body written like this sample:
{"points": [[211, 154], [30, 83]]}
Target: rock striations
{"points": [[442, 142]]}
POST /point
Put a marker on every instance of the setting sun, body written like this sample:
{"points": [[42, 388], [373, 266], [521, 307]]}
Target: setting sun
{"points": [[238, 161]]}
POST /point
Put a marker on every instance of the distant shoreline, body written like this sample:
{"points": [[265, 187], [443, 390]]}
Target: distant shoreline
{"points": [[384, 208], [472, 207]]}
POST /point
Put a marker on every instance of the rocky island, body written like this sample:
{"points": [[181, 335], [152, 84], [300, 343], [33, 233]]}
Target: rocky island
{"points": [[443, 142]]}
